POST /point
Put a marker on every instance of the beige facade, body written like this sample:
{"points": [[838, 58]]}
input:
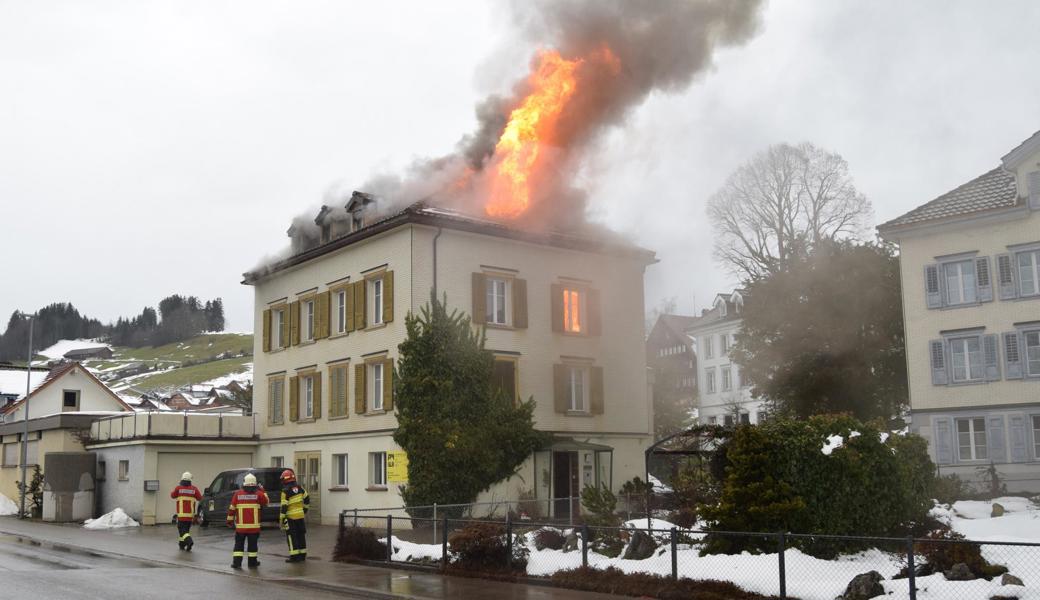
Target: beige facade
{"points": [[971, 305], [344, 435]]}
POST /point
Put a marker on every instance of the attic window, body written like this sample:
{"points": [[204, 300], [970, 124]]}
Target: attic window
{"points": [[357, 220], [326, 233], [70, 400], [721, 305]]}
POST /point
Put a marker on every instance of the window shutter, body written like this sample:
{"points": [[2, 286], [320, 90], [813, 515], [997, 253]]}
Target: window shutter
{"points": [[266, 320], [520, 303], [596, 390], [1012, 355], [991, 354], [479, 298], [982, 279], [360, 406], [593, 308], [560, 388], [995, 439], [937, 352], [933, 294], [1017, 436], [943, 440], [317, 395], [1006, 277], [321, 305], [348, 290], [294, 323], [556, 301], [294, 398], [388, 296], [1034, 190], [360, 303], [388, 385]]}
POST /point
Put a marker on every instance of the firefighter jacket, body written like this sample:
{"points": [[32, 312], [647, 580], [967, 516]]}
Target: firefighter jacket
{"points": [[186, 498], [244, 510], [295, 502]]}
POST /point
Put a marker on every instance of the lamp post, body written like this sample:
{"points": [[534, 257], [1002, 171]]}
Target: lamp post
{"points": [[25, 422]]}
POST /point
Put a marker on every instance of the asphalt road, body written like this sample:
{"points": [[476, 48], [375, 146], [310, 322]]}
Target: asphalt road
{"points": [[43, 571]]}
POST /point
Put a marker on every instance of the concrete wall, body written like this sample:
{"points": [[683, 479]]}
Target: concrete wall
{"points": [[41, 443], [112, 491]]}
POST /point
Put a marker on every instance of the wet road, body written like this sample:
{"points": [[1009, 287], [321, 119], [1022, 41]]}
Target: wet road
{"points": [[32, 570]]}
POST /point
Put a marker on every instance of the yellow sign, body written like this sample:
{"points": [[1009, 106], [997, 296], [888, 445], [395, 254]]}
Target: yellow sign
{"points": [[397, 467]]}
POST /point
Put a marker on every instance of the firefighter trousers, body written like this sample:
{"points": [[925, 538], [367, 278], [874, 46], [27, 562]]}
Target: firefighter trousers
{"points": [[297, 538], [184, 534], [252, 551]]}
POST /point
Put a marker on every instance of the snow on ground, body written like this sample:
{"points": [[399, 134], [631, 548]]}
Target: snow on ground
{"points": [[833, 443], [59, 349], [7, 506], [412, 552], [242, 376], [113, 520]]}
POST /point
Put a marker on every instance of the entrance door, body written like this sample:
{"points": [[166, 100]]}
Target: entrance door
{"points": [[565, 484], [308, 468]]}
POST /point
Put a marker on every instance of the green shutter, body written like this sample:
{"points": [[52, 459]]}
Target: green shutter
{"points": [[479, 298], [360, 405], [388, 296], [294, 398], [520, 303], [266, 326]]}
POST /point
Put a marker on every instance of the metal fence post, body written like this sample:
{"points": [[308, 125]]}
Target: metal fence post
{"points": [[355, 518], [585, 545], [509, 541], [911, 577], [434, 522], [389, 538], [675, 555], [444, 544], [782, 538]]}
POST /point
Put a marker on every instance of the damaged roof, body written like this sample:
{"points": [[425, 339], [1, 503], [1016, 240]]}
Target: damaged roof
{"points": [[994, 190]]}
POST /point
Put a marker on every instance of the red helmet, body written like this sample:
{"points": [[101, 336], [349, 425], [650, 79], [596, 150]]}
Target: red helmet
{"points": [[288, 475]]}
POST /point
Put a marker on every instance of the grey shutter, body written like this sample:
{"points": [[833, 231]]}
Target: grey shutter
{"points": [[1017, 436], [938, 358], [1012, 355], [1034, 190], [983, 280], [943, 440], [1006, 277], [933, 293], [991, 355], [995, 439]]}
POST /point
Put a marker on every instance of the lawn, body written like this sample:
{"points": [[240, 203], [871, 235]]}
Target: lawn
{"points": [[193, 374]]}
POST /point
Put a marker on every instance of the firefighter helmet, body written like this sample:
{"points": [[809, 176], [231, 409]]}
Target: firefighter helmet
{"points": [[288, 475], [185, 476], [249, 479]]}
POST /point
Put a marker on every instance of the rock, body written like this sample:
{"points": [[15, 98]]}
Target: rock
{"points": [[997, 511], [864, 586], [641, 546], [1009, 579], [571, 543], [959, 572]]}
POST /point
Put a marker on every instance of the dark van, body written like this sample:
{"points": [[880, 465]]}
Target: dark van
{"points": [[217, 497]]}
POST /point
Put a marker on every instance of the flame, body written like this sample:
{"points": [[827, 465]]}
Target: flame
{"points": [[571, 311], [531, 127]]}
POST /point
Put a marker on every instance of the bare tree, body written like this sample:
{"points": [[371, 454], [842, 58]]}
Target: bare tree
{"points": [[784, 198]]}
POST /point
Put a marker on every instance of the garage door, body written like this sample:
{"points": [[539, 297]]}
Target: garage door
{"points": [[203, 466]]}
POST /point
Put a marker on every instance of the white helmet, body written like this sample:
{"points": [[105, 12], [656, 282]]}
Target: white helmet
{"points": [[185, 476], [249, 479]]}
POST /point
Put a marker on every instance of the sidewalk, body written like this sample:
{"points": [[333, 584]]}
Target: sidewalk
{"points": [[212, 552]]}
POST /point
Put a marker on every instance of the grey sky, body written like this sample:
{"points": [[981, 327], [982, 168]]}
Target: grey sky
{"points": [[150, 148]]}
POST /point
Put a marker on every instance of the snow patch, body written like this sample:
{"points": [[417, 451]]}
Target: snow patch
{"points": [[883, 436], [658, 485], [113, 520], [833, 443], [410, 551], [7, 506], [59, 349]]}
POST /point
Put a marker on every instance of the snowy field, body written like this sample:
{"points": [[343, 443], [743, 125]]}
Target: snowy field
{"points": [[59, 349], [811, 578]]}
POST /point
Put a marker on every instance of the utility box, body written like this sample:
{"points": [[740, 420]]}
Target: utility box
{"points": [[69, 486]]}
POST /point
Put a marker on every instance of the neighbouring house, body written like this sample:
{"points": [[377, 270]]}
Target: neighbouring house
{"points": [[85, 353], [671, 355], [970, 268], [724, 398], [564, 319], [13, 382]]}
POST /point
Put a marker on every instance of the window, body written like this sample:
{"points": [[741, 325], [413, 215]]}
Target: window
{"points": [[1029, 273], [375, 375], [277, 462], [728, 420], [341, 311], [724, 339], [573, 311], [960, 282], [710, 376], [504, 377], [377, 469], [713, 420], [11, 454], [276, 396], [1036, 436], [496, 310], [277, 323], [357, 221], [32, 452], [338, 391], [1032, 339], [69, 400], [745, 418], [124, 470], [307, 383], [339, 470], [721, 305], [308, 320], [101, 470], [709, 350], [971, 439], [577, 389], [727, 379], [966, 354], [377, 301]]}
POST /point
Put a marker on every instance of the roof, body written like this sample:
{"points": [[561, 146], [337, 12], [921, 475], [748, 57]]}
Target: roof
{"points": [[676, 324], [1021, 152], [86, 351], [57, 374], [993, 190], [12, 379], [421, 214]]}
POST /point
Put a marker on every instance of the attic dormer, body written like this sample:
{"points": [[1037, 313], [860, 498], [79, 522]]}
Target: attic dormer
{"points": [[720, 305], [360, 209], [324, 224], [1024, 162]]}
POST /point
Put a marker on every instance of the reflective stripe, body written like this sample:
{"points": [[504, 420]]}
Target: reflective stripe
{"points": [[295, 552], [238, 554], [185, 536], [254, 554]]}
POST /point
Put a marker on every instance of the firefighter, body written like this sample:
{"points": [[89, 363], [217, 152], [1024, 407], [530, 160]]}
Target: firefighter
{"points": [[295, 504], [186, 496], [244, 516]]}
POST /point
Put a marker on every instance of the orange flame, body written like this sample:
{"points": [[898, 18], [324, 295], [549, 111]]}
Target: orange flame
{"points": [[532, 126]]}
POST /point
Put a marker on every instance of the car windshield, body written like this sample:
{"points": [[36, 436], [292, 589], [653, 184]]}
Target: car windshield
{"points": [[268, 479]]}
